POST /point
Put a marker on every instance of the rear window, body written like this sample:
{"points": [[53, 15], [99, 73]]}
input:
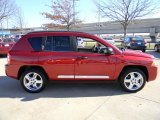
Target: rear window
{"points": [[107, 38], [137, 39], [36, 43]]}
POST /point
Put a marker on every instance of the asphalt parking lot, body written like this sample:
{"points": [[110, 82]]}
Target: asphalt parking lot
{"points": [[78, 101]]}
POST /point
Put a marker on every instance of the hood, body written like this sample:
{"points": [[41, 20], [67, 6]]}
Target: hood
{"points": [[137, 54]]}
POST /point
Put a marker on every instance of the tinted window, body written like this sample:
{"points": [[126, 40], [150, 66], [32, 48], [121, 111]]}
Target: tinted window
{"points": [[62, 44], [107, 38], [137, 39], [48, 45], [58, 43], [36, 43]]}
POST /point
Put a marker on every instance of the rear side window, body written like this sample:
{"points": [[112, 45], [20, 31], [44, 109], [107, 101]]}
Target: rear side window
{"points": [[36, 43], [48, 44], [58, 43], [62, 44]]}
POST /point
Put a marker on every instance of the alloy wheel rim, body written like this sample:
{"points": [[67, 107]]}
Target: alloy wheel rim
{"points": [[33, 81], [133, 81]]}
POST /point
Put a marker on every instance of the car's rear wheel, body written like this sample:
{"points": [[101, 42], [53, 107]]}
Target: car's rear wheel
{"points": [[33, 81], [132, 80]]}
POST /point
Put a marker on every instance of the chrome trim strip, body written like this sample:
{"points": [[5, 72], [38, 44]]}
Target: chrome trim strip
{"points": [[65, 76], [92, 77], [83, 76]]}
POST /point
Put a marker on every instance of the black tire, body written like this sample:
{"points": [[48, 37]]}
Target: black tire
{"points": [[125, 84], [40, 77]]}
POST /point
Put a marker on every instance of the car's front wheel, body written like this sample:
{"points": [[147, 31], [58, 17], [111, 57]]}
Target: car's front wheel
{"points": [[132, 80], [33, 81]]}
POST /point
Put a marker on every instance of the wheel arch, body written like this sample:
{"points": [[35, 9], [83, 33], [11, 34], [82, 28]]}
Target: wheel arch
{"points": [[27, 67], [143, 68]]}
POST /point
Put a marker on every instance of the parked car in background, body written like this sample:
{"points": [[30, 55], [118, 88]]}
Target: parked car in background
{"points": [[42, 56], [135, 43], [109, 39], [17, 37], [5, 45], [157, 47]]}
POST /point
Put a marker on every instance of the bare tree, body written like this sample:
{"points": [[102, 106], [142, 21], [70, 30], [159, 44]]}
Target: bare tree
{"points": [[63, 14], [19, 20], [125, 11], [7, 8]]}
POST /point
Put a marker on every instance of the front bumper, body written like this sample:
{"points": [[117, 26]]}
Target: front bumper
{"points": [[152, 73]]}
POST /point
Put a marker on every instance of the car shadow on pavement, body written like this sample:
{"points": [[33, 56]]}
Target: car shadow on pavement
{"points": [[11, 88]]}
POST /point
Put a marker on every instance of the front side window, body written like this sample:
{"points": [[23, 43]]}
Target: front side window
{"points": [[88, 45]]}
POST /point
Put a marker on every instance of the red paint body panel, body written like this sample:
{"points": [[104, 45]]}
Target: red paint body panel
{"points": [[68, 63], [61, 63], [96, 64]]}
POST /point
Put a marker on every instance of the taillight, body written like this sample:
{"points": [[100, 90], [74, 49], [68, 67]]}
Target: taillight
{"points": [[8, 58]]}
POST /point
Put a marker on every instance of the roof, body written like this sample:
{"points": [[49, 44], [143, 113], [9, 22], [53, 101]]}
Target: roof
{"points": [[50, 31]]}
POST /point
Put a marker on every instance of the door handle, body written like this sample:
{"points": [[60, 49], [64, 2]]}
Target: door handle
{"points": [[81, 57]]}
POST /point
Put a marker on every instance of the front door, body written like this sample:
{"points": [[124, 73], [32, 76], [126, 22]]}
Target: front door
{"points": [[92, 65]]}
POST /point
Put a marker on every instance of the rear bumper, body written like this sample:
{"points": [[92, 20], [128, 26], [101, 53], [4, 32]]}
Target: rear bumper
{"points": [[11, 71], [138, 47]]}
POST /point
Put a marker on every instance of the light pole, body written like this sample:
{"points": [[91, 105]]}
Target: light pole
{"points": [[74, 11], [99, 17], [1, 30]]}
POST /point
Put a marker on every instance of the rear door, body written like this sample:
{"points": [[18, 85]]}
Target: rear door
{"points": [[58, 57]]}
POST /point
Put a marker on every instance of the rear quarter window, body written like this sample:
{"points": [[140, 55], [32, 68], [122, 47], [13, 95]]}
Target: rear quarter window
{"points": [[36, 43]]}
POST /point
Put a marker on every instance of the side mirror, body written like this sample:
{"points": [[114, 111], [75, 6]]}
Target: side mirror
{"points": [[107, 50]]}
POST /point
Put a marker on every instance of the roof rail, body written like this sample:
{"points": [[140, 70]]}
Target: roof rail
{"points": [[53, 31]]}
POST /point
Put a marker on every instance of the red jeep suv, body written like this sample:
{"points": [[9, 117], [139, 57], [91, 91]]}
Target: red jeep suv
{"points": [[46, 55]]}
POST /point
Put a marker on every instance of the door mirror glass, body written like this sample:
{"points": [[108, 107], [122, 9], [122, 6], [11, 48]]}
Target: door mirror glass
{"points": [[107, 50]]}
